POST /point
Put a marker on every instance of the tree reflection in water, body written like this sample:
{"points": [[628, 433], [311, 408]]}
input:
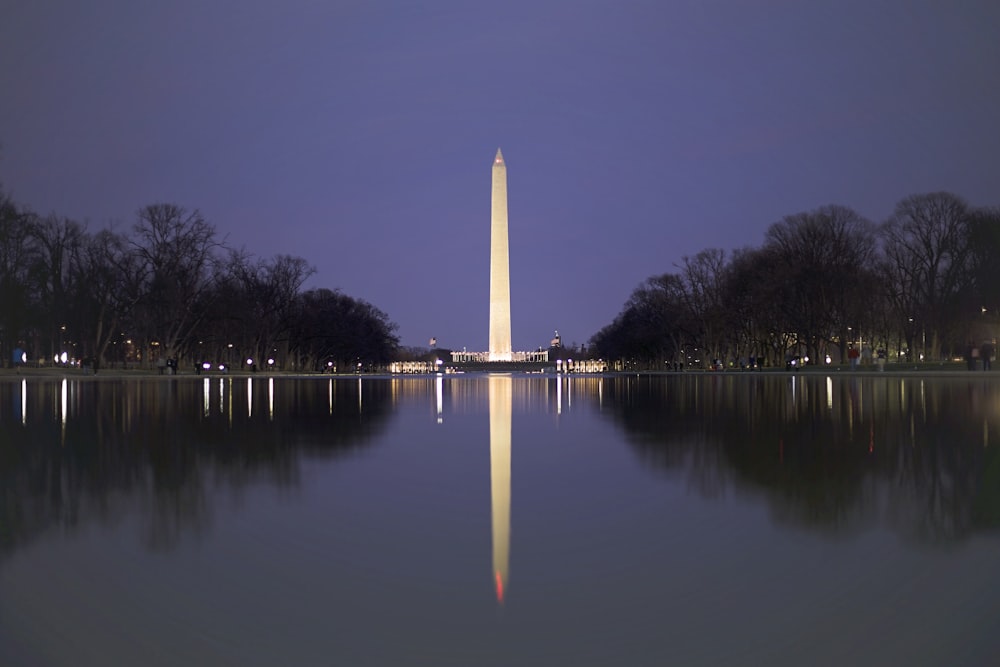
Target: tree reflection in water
{"points": [[96, 450], [834, 454]]}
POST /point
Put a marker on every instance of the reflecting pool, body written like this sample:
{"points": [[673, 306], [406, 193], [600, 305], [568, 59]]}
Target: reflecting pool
{"points": [[500, 520]]}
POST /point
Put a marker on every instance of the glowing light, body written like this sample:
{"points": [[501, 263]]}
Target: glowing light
{"points": [[439, 391], [63, 396], [270, 398]]}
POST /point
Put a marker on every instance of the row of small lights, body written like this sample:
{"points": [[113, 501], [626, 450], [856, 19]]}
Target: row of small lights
{"points": [[208, 365]]}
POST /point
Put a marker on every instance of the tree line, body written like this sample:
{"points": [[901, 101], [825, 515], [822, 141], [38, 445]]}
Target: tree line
{"points": [[170, 288], [923, 284]]}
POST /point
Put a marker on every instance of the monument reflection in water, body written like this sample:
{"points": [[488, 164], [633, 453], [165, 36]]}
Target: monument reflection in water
{"points": [[500, 390], [702, 519], [500, 393]]}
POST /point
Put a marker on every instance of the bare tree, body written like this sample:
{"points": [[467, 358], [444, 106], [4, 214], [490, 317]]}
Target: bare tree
{"points": [[266, 300], [704, 295], [331, 327], [824, 260], [58, 242], [106, 290], [984, 239], [17, 253], [176, 250], [752, 301], [654, 326], [926, 246]]}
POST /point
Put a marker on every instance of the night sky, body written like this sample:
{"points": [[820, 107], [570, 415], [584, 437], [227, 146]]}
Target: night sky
{"points": [[360, 135]]}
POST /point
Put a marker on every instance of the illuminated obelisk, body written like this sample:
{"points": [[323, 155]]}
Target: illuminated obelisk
{"points": [[500, 348], [500, 395]]}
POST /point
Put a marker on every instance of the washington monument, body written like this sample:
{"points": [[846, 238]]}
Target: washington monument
{"points": [[500, 348]]}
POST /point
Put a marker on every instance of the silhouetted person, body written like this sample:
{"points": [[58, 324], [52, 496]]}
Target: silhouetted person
{"points": [[986, 352]]}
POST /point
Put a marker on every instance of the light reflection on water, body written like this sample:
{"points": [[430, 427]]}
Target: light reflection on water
{"points": [[704, 519]]}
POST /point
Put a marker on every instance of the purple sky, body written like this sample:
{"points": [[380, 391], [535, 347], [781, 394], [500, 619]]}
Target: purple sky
{"points": [[360, 135]]}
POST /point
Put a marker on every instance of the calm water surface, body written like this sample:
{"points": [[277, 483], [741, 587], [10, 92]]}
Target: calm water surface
{"points": [[498, 520]]}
